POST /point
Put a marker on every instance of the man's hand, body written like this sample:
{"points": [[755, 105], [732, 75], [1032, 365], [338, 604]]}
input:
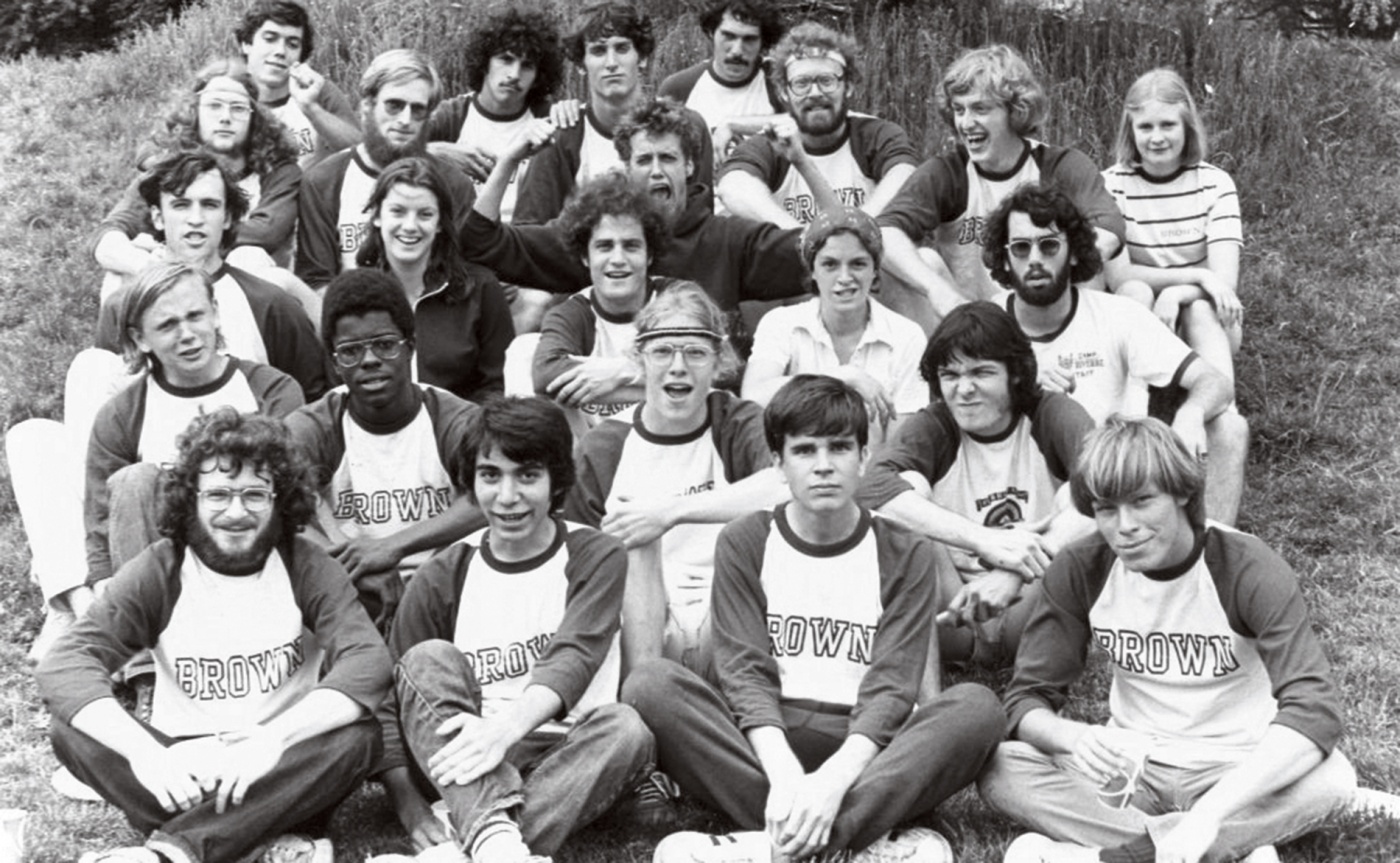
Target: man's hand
{"points": [[877, 399], [1167, 307], [637, 523], [478, 747], [422, 826], [787, 139], [1099, 751], [984, 598], [1227, 302], [243, 762], [565, 113], [1014, 549], [528, 139], [812, 809], [1189, 840], [1055, 380], [1190, 425], [179, 775], [725, 140], [305, 83], [593, 379], [476, 161], [385, 585], [363, 555]]}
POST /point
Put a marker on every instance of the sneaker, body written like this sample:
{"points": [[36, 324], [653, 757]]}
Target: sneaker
{"points": [[912, 845], [70, 786], [295, 848], [1370, 800], [1262, 854], [648, 804], [132, 854], [688, 846], [1035, 848]]}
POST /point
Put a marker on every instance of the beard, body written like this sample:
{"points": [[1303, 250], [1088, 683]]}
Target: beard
{"points": [[228, 562], [821, 127], [384, 153], [1044, 294]]}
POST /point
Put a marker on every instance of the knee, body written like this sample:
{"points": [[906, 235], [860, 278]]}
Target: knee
{"points": [[975, 701], [652, 687], [1336, 778], [435, 658], [1230, 430], [133, 486], [622, 723], [1000, 775]]}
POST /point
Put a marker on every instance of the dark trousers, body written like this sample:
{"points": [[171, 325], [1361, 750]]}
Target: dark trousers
{"points": [[940, 749]]}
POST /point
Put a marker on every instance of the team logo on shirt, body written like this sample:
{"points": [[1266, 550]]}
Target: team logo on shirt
{"points": [[206, 678], [399, 504], [804, 209], [494, 664], [1184, 653], [352, 235], [972, 230], [823, 637]]}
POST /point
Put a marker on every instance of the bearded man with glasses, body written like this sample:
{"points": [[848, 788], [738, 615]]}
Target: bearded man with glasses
{"points": [[1099, 348], [398, 90], [267, 669], [379, 446], [864, 159]]}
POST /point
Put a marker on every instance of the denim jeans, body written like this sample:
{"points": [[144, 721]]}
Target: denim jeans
{"points": [[940, 749], [1043, 792], [553, 784], [310, 780]]}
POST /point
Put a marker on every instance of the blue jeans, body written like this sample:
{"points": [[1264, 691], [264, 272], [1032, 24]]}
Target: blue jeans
{"points": [[940, 749], [1044, 793], [310, 780], [552, 784]]}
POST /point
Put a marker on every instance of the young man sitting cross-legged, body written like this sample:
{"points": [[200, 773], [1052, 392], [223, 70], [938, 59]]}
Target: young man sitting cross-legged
{"points": [[508, 659], [821, 626]]}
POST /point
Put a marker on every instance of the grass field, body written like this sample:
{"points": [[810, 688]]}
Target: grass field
{"points": [[1309, 130]]}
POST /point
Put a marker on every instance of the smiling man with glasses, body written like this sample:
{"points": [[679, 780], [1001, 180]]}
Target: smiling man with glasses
{"points": [[379, 446], [1104, 350], [398, 91], [864, 159], [266, 668]]}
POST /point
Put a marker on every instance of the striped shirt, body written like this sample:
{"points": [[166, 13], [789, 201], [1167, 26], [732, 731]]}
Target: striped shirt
{"points": [[1172, 220]]}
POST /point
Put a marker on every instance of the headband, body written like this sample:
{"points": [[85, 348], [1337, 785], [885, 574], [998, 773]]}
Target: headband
{"points": [[680, 331]]}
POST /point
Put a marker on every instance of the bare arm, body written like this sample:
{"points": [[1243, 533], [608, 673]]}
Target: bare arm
{"points": [[116, 252], [1014, 549], [305, 85], [748, 196], [887, 188], [527, 140], [902, 260]]}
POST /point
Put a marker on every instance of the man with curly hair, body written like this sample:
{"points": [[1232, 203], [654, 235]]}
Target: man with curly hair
{"points": [[729, 89], [276, 39], [994, 104], [1105, 350], [864, 159], [220, 115], [267, 669], [612, 45]]}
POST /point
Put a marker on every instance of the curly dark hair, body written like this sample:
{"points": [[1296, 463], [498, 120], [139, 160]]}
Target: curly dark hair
{"points": [[610, 195], [269, 144], [528, 430], [284, 12], [816, 405], [532, 35], [660, 116], [811, 39], [446, 262], [358, 292], [610, 18], [173, 175], [984, 331], [1046, 205], [761, 14], [235, 439]]}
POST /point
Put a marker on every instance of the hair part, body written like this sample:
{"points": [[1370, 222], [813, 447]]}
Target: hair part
{"points": [[610, 18], [811, 39], [661, 116], [528, 430], [758, 13], [154, 282], [983, 330], [234, 440], [1167, 87], [610, 195], [283, 12], [1125, 456], [360, 292], [175, 173], [446, 262], [399, 66], [815, 405], [1046, 206], [1002, 73], [532, 35], [269, 144]]}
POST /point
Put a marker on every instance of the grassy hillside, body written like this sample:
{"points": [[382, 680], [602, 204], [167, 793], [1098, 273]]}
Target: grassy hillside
{"points": [[1309, 131]]}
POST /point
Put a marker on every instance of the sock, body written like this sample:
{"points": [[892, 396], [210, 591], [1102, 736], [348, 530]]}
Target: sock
{"points": [[499, 841], [1140, 850]]}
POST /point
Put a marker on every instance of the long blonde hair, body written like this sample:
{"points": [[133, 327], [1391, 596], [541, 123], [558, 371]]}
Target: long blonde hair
{"points": [[1167, 87]]}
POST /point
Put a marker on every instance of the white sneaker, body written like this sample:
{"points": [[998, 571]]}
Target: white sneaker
{"points": [[1369, 800], [295, 848], [688, 846], [914, 845], [1035, 848], [70, 786], [1262, 854]]}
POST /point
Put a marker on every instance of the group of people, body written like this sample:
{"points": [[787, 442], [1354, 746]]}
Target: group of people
{"points": [[542, 461]]}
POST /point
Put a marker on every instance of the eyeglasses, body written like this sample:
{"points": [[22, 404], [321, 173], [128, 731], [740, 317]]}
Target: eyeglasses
{"points": [[253, 499], [351, 354], [692, 355], [416, 110], [236, 110], [1049, 247], [825, 83]]}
